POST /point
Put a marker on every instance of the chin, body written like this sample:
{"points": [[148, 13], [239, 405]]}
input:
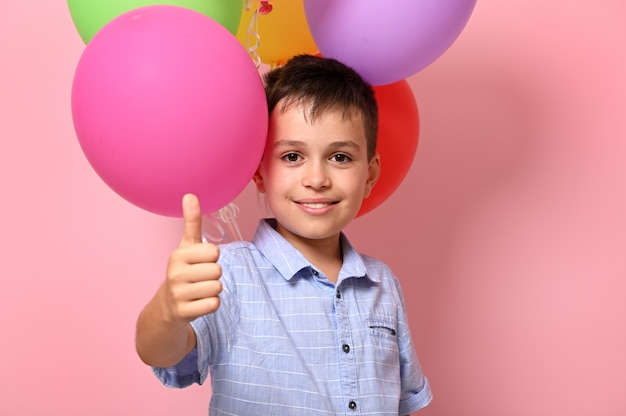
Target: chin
{"points": [[310, 232]]}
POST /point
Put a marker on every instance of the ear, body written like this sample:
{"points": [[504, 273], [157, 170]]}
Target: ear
{"points": [[374, 174], [258, 180]]}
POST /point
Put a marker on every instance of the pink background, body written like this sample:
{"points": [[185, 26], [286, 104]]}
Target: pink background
{"points": [[508, 234]]}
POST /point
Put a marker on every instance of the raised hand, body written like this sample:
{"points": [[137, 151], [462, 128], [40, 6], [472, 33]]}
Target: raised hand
{"points": [[190, 290], [192, 284]]}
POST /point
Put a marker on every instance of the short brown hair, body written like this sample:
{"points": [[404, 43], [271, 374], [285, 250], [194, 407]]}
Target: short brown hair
{"points": [[325, 84]]}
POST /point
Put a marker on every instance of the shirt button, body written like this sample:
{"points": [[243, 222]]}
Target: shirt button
{"points": [[338, 294], [315, 272], [352, 405], [345, 348]]}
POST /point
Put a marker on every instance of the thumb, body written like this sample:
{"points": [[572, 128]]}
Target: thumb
{"points": [[192, 220]]}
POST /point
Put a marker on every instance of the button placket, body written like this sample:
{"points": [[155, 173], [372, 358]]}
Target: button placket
{"points": [[348, 365]]}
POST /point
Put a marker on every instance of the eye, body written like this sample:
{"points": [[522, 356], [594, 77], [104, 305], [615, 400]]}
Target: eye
{"points": [[291, 157], [341, 158]]}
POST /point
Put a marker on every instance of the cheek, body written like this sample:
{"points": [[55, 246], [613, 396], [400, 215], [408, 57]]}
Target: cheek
{"points": [[356, 187], [275, 179]]}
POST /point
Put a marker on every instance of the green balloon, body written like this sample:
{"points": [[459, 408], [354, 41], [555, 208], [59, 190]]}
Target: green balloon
{"points": [[90, 15]]}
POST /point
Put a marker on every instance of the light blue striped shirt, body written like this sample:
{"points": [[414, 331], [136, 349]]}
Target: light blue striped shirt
{"points": [[286, 341]]}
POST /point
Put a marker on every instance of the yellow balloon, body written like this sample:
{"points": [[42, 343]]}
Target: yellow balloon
{"points": [[283, 32]]}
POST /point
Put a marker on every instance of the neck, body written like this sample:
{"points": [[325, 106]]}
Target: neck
{"points": [[325, 254]]}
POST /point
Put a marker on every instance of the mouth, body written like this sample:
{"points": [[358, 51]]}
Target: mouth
{"points": [[316, 205]]}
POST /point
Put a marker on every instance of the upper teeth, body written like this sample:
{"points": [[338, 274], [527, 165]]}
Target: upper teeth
{"points": [[316, 205]]}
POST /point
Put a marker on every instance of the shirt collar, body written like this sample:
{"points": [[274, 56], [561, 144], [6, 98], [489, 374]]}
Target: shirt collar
{"points": [[289, 261]]}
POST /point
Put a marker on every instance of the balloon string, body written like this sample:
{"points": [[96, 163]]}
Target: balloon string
{"points": [[228, 216], [252, 37], [206, 236]]}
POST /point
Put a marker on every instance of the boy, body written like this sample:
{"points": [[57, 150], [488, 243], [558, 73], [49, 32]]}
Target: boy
{"points": [[295, 322]]}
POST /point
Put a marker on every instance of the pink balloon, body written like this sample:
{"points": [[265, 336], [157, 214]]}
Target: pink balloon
{"points": [[386, 41], [166, 101]]}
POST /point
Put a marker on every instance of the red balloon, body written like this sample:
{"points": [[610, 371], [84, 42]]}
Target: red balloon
{"points": [[398, 132]]}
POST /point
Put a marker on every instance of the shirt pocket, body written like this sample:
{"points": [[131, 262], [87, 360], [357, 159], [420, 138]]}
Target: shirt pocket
{"points": [[382, 328], [383, 340]]}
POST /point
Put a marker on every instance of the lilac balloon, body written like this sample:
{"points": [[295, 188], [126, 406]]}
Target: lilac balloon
{"points": [[386, 40]]}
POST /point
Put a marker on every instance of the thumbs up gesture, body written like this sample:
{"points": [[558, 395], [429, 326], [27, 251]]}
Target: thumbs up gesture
{"points": [[192, 283]]}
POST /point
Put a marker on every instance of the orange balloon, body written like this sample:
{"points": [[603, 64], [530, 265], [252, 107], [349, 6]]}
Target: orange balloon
{"points": [[283, 31], [398, 132]]}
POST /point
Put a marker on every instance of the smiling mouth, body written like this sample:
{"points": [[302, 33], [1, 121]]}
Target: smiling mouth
{"points": [[316, 204]]}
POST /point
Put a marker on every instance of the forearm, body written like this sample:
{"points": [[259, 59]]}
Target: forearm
{"points": [[159, 340]]}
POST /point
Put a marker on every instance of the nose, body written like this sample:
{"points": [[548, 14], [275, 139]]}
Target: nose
{"points": [[316, 176]]}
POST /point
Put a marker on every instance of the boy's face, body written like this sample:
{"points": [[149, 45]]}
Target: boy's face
{"points": [[315, 174]]}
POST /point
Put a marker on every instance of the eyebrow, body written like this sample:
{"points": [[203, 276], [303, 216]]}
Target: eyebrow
{"points": [[300, 143], [289, 143]]}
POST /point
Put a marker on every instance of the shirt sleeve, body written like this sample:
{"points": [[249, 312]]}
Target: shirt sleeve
{"points": [[215, 335], [182, 374], [416, 392]]}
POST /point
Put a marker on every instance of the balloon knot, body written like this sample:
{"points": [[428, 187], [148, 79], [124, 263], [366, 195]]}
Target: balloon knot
{"points": [[265, 7]]}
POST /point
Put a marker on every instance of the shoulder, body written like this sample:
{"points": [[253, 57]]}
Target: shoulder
{"points": [[363, 264], [237, 247], [373, 262], [379, 271], [238, 252], [376, 266]]}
